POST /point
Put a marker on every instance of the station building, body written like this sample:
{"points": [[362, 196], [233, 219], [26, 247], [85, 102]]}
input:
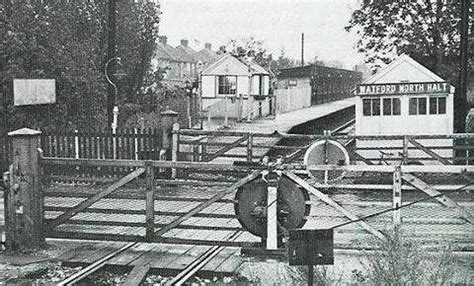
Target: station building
{"points": [[235, 86], [404, 98]]}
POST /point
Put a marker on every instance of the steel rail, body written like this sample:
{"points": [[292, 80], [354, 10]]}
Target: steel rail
{"points": [[200, 262]]}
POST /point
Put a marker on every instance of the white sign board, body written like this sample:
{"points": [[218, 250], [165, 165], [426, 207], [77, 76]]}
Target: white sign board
{"points": [[34, 91]]}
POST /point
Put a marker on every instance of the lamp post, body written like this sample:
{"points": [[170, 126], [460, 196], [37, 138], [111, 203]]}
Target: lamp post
{"points": [[115, 109]]}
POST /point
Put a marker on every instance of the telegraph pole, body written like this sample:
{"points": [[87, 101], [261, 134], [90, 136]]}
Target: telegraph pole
{"points": [[302, 49], [460, 102], [111, 53]]}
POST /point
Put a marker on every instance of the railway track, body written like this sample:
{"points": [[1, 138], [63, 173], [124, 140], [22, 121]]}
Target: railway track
{"points": [[189, 271], [200, 262]]}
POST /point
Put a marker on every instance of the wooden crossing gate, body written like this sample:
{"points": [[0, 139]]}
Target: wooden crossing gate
{"points": [[149, 207]]}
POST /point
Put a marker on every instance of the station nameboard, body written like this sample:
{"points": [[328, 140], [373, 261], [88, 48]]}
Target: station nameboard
{"points": [[34, 91], [402, 88]]}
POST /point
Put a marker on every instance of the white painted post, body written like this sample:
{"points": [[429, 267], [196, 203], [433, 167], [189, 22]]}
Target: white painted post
{"points": [[272, 235], [241, 107], [76, 144], [272, 213], [114, 131], [226, 115], [175, 148], [135, 130], [397, 196]]}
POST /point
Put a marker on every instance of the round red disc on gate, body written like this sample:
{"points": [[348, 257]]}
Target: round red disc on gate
{"points": [[251, 203]]}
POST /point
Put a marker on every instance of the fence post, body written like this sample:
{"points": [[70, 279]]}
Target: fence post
{"points": [[405, 149], [241, 107], [150, 201], [168, 119], [250, 148], [397, 196], [24, 200], [226, 114], [174, 148], [76, 144]]}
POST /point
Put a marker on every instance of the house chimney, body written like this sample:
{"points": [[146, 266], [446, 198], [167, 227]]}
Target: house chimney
{"points": [[208, 46], [163, 40], [184, 43]]}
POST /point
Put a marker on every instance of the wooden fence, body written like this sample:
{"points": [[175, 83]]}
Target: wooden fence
{"points": [[198, 145]]}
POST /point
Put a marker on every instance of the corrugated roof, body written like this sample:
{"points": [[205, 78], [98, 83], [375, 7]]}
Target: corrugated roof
{"points": [[310, 70]]}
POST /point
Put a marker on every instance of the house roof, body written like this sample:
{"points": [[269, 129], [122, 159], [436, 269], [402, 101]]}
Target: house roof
{"points": [[163, 52], [231, 65], [206, 56], [186, 54]]}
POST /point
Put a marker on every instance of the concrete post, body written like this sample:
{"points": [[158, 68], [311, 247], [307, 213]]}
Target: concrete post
{"points": [[24, 200], [168, 118]]}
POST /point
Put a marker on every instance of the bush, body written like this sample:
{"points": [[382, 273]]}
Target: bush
{"points": [[402, 261]]}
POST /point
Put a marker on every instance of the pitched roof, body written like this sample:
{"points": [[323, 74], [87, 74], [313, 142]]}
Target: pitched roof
{"points": [[256, 68], [185, 54], [234, 66], [165, 51], [404, 68], [206, 56]]}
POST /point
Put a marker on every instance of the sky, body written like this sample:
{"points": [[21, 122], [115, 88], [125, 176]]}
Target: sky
{"points": [[279, 23]]}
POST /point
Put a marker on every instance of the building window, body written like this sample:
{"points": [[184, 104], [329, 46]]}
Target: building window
{"points": [[417, 105], [371, 106], [391, 106], [438, 105], [227, 85]]}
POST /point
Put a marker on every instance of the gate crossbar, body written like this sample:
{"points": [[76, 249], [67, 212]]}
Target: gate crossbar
{"points": [[206, 204], [443, 199], [87, 203], [229, 147], [334, 204]]}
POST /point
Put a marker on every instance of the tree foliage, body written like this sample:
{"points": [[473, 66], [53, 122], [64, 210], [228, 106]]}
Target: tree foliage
{"points": [[427, 30], [67, 41], [251, 47]]}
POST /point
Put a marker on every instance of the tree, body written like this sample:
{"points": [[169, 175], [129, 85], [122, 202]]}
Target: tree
{"points": [[59, 41], [248, 47], [66, 41], [282, 62], [251, 47], [426, 30]]}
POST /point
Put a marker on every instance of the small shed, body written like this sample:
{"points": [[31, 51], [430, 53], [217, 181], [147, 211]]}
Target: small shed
{"points": [[404, 98]]}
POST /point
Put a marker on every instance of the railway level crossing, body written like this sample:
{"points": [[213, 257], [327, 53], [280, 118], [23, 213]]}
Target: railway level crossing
{"points": [[77, 216]]}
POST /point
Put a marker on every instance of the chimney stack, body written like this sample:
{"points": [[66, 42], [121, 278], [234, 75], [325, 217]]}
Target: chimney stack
{"points": [[208, 46], [184, 43], [163, 40]]}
